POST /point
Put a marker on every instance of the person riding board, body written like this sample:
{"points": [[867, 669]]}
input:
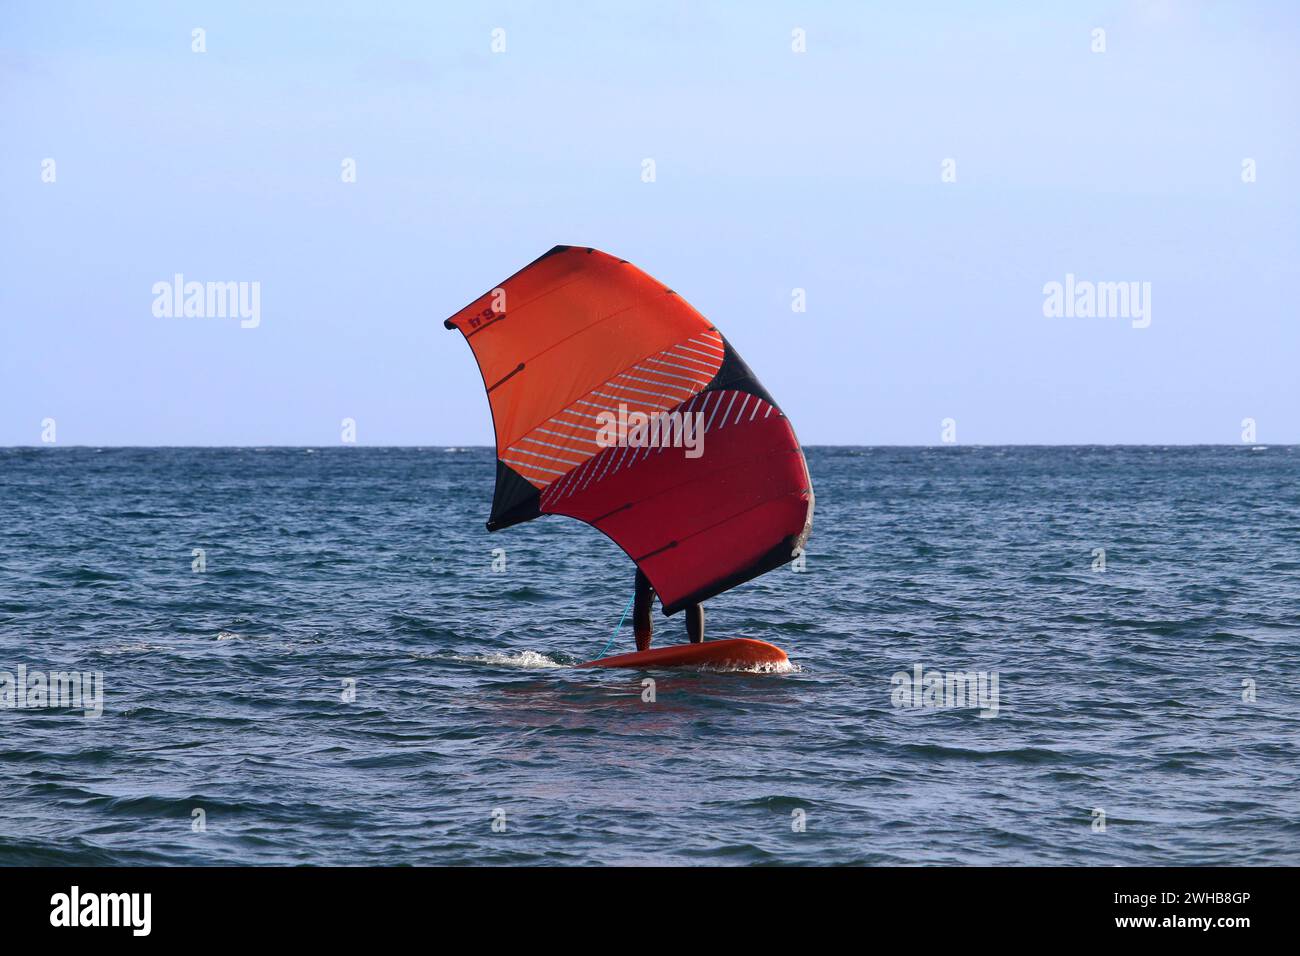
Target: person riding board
{"points": [[641, 606]]}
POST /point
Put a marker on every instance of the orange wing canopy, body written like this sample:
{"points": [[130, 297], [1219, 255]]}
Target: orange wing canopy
{"points": [[578, 341]]}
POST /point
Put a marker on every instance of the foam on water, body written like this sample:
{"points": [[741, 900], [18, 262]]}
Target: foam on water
{"points": [[531, 660]]}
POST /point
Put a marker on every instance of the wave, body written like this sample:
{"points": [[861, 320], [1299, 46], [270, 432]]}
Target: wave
{"points": [[770, 667], [531, 660]]}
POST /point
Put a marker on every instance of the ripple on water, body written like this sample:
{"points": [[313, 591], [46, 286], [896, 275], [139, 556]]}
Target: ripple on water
{"points": [[350, 681]]}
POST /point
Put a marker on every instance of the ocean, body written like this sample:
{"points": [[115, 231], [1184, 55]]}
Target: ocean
{"points": [[320, 656]]}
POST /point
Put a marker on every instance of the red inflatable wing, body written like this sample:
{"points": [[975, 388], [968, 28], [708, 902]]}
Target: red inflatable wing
{"points": [[616, 403]]}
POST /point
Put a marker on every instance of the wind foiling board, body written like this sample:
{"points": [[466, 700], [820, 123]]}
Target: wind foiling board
{"points": [[739, 652]]}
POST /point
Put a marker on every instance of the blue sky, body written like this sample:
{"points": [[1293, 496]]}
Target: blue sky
{"points": [[774, 171]]}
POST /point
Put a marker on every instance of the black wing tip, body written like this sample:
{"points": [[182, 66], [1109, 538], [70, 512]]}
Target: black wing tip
{"points": [[782, 553], [734, 373], [556, 250], [515, 499]]}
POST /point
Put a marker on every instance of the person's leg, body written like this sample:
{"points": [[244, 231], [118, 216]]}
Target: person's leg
{"points": [[695, 622], [642, 604]]}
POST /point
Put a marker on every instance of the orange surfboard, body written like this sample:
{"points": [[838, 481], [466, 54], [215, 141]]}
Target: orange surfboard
{"points": [[736, 652]]}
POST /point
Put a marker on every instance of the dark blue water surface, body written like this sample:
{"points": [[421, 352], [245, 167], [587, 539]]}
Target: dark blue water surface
{"points": [[1120, 691]]}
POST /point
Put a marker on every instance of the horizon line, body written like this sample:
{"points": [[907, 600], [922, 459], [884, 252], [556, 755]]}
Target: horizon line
{"points": [[448, 447]]}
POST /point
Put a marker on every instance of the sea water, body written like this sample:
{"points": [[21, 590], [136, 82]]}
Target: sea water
{"points": [[321, 656]]}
